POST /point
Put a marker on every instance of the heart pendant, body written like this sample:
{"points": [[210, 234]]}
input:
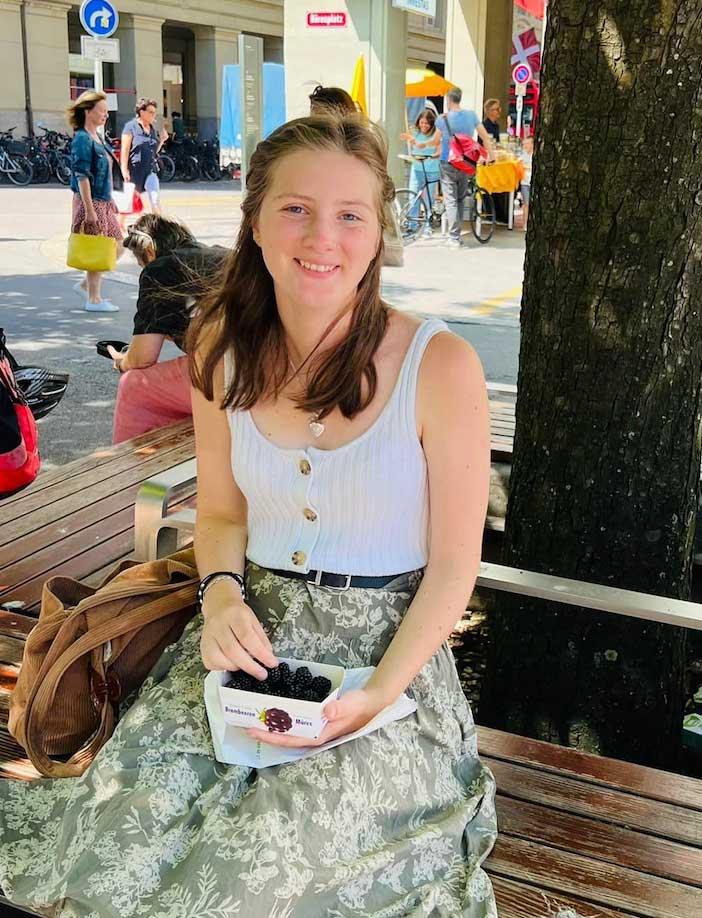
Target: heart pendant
{"points": [[317, 428]]}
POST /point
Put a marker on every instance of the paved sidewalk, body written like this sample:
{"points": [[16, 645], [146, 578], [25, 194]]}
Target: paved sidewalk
{"points": [[476, 288]]}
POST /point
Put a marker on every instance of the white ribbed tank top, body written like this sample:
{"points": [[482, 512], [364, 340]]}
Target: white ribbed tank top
{"points": [[361, 509]]}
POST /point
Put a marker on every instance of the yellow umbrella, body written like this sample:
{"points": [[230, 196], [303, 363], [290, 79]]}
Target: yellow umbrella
{"points": [[358, 85], [420, 83]]}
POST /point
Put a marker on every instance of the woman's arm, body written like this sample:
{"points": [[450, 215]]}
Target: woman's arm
{"points": [[124, 148], [232, 635], [143, 351], [455, 431], [436, 141], [91, 220]]}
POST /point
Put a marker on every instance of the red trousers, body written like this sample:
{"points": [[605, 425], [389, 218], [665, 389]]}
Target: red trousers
{"points": [[151, 398]]}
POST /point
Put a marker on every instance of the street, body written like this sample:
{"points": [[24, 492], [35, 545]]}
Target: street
{"points": [[476, 289]]}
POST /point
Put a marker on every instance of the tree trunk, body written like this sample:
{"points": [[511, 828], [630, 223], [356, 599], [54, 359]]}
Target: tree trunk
{"points": [[608, 434]]}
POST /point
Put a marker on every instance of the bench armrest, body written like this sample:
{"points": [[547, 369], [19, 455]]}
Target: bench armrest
{"points": [[153, 499]]}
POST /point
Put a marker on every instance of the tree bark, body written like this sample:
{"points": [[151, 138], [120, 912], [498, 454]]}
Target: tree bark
{"points": [[607, 449]]}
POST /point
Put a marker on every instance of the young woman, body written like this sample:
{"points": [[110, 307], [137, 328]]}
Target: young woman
{"points": [[176, 270], [343, 464], [139, 148], [94, 211], [425, 142]]}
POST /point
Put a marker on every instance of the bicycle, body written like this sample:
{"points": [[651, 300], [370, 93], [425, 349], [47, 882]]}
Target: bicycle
{"points": [[181, 156], [411, 206], [13, 160], [54, 146], [480, 206]]}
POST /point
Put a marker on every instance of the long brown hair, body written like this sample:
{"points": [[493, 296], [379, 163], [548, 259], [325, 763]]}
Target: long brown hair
{"points": [[86, 101], [242, 314]]}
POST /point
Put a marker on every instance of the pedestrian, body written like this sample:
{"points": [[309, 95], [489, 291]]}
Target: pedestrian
{"points": [[94, 211], [491, 120], [176, 270], [139, 148], [425, 142], [454, 183], [343, 458], [526, 157], [178, 126]]}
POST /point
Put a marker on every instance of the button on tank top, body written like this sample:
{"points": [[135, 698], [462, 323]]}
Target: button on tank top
{"points": [[361, 509]]}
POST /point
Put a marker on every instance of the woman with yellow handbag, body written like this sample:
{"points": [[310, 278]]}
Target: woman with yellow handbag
{"points": [[96, 238]]}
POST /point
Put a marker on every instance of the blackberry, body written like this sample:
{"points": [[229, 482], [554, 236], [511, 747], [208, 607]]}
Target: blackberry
{"points": [[277, 720], [322, 687], [303, 676]]}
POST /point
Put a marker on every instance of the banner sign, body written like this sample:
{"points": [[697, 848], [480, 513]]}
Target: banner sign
{"points": [[337, 19], [420, 7]]}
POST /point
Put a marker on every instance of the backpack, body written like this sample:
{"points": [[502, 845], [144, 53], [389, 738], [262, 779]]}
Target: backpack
{"points": [[89, 651], [464, 152], [19, 450]]}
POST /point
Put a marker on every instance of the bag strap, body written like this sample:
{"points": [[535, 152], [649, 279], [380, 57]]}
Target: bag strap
{"points": [[42, 695]]}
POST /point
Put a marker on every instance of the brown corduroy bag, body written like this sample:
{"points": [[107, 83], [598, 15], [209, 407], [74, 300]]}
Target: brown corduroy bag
{"points": [[90, 649]]}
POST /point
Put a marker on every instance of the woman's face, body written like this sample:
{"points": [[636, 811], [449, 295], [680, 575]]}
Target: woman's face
{"points": [[424, 125], [495, 112], [148, 114], [96, 116], [318, 228]]}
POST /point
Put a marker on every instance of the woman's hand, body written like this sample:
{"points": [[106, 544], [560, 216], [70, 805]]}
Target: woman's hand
{"points": [[90, 223], [345, 715], [233, 638], [406, 136], [118, 358], [163, 136]]}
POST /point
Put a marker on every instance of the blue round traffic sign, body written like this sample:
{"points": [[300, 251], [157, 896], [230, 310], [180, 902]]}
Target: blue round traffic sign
{"points": [[99, 18], [521, 73]]}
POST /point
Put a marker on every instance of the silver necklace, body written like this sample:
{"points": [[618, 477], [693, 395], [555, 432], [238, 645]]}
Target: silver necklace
{"points": [[316, 426]]}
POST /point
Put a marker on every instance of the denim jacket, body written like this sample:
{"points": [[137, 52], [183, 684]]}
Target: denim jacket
{"points": [[92, 161]]}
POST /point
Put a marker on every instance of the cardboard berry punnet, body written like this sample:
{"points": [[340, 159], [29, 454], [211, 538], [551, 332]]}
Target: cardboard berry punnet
{"points": [[278, 714]]}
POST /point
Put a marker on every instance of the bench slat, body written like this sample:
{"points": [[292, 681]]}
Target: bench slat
{"points": [[13, 760], [625, 776], [600, 841], [103, 456], [517, 900], [596, 881], [582, 798]]}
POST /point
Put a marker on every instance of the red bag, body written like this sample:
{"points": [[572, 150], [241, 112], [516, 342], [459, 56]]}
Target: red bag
{"points": [[464, 152], [19, 449], [137, 203]]}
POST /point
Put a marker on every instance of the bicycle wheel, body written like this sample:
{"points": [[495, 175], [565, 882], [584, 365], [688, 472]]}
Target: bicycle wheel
{"points": [[403, 203], [211, 170], [191, 168], [166, 167], [41, 167], [20, 170], [483, 215], [63, 169]]}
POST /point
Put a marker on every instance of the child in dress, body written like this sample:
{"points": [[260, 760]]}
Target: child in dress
{"points": [[526, 157]]}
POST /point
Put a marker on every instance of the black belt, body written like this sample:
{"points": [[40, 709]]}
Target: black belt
{"points": [[338, 581]]}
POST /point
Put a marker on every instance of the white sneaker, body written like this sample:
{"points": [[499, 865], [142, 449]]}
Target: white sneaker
{"points": [[102, 306], [80, 288], [427, 233], [454, 243]]}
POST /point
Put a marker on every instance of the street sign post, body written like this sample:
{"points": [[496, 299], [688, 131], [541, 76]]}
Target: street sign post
{"points": [[521, 75], [100, 19]]}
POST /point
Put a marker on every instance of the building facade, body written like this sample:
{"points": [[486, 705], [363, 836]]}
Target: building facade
{"points": [[173, 51]]}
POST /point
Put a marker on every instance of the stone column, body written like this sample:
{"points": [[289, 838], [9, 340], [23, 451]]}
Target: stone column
{"points": [[214, 47], [140, 70], [478, 50], [12, 102], [328, 55], [47, 57]]}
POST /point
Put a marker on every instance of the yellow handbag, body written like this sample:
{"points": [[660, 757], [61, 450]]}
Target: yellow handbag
{"points": [[91, 253]]}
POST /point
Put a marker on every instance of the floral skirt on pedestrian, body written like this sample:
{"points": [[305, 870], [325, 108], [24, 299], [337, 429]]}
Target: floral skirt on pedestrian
{"points": [[106, 213], [396, 823]]}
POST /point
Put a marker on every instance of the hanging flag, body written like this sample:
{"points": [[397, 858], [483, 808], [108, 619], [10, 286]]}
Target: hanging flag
{"points": [[527, 50], [358, 85], [533, 7]]}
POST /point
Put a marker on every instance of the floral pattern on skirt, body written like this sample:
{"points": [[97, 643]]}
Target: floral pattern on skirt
{"points": [[106, 213], [396, 823]]}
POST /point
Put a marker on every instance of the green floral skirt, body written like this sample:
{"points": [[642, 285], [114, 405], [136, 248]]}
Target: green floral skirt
{"points": [[396, 823]]}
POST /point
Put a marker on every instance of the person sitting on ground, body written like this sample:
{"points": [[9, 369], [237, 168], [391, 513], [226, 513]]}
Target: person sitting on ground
{"points": [[343, 464], [526, 158], [176, 269], [425, 142], [454, 182]]}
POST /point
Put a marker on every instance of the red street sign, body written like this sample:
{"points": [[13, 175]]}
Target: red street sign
{"points": [[326, 19], [521, 73]]}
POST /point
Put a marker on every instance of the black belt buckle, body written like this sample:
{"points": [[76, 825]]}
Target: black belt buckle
{"points": [[337, 582]]}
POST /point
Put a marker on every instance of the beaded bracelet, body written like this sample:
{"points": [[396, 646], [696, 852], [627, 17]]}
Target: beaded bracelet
{"points": [[207, 582]]}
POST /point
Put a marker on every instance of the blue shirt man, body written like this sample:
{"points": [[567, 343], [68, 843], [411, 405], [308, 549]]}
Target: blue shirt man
{"points": [[461, 121]]}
